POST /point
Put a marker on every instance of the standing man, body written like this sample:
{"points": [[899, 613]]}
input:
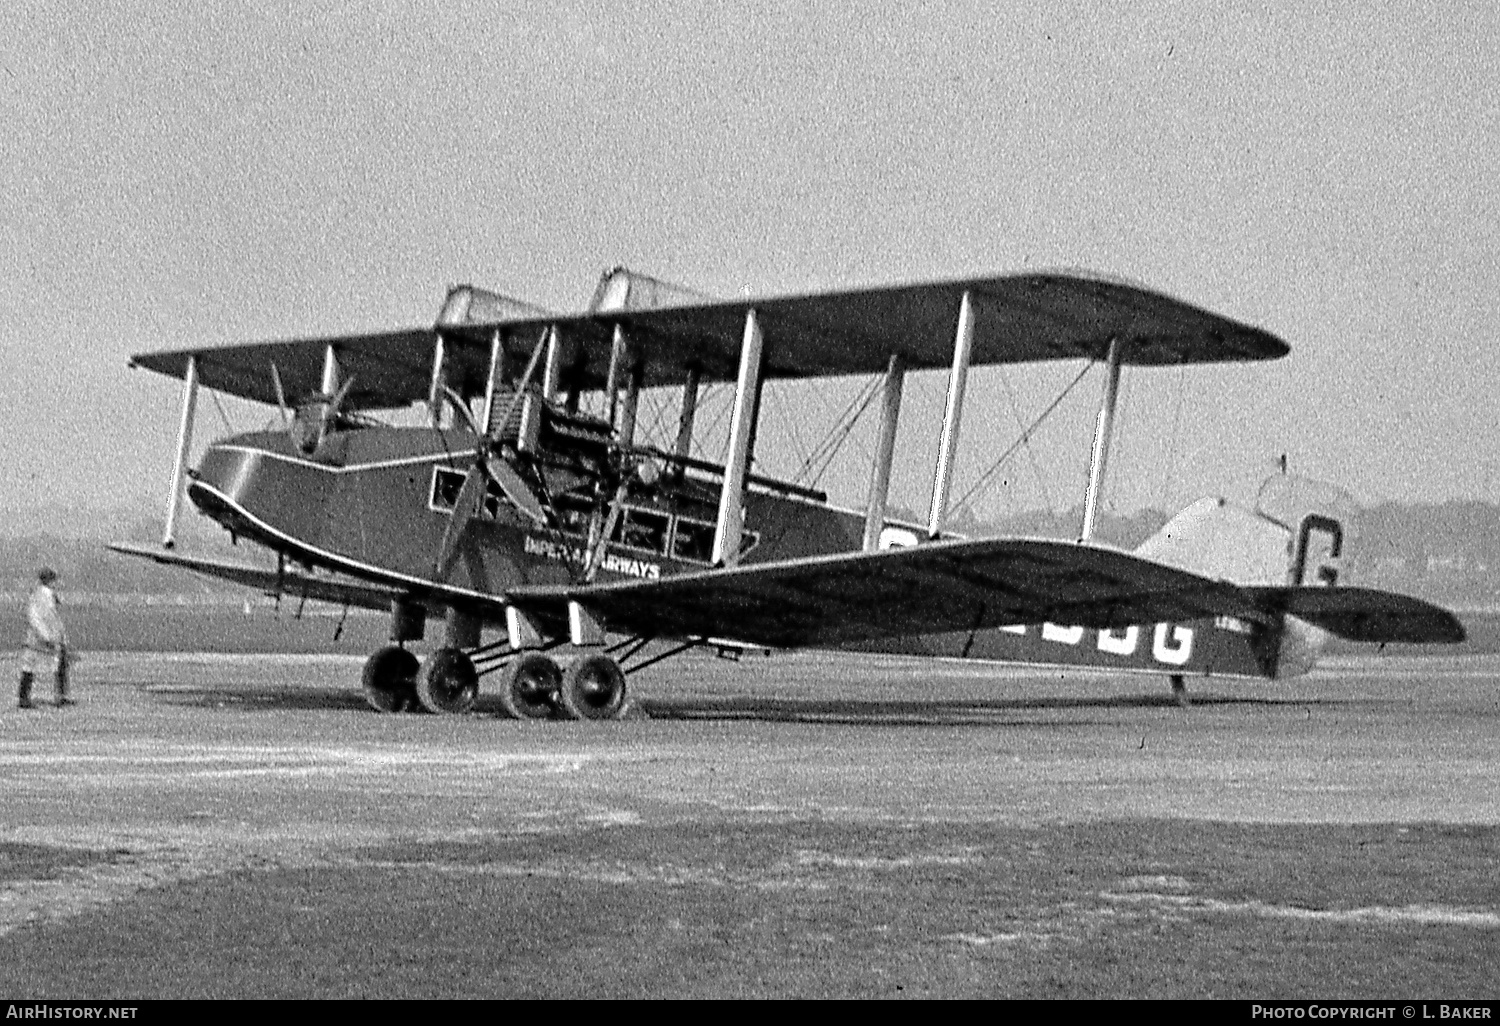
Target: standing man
{"points": [[46, 641]]}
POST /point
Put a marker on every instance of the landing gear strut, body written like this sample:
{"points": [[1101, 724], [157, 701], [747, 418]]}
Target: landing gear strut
{"points": [[390, 680], [449, 682]]}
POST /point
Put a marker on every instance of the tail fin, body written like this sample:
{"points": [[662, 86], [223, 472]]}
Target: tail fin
{"points": [[1299, 533]]}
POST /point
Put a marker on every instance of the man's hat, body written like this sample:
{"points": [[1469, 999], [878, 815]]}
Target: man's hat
{"points": [[46, 575]]}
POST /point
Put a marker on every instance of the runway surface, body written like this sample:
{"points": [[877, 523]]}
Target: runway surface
{"points": [[799, 826]]}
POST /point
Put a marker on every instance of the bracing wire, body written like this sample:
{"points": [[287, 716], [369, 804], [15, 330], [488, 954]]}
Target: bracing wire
{"points": [[656, 405], [789, 427], [1036, 469], [711, 396], [810, 457], [984, 478], [843, 436], [819, 460], [222, 415]]}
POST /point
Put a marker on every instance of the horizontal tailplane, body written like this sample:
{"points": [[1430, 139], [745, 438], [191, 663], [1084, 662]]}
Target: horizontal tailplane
{"points": [[1364, 614]]}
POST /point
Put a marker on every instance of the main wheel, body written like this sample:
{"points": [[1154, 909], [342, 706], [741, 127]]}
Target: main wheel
{"points": [[593, 688], [531, 681], [449, 683], [390, 679]]}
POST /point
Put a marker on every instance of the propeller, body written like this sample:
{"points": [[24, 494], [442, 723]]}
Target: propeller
{"points": [[296, 430], [337, 401], [487, 468]]}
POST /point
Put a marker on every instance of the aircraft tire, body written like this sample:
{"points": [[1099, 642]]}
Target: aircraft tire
{"points": [[389, 680], [530, 686], [593, 688], [449, 683]]}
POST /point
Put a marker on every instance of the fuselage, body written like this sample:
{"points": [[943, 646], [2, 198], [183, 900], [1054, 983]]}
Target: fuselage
{"points": [[375, 503]]}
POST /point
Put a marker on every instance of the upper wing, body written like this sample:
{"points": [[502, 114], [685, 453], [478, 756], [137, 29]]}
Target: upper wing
{"points": [[1365, 614], [1019, 318], [944, 586], [390, 368], [291, 581]]}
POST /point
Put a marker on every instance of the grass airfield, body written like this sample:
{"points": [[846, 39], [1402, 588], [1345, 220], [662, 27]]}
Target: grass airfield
{"points": [[242, 826]]}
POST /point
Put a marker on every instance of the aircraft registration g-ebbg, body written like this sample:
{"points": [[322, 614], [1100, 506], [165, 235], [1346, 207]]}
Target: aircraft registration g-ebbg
{"points": [[514, 512]]}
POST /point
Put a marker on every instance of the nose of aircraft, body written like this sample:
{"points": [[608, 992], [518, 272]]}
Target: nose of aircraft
{"points": [[254, 486], [227, 470]]}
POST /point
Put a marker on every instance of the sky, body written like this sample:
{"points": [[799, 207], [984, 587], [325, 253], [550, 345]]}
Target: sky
{"points": [[185, 174]]}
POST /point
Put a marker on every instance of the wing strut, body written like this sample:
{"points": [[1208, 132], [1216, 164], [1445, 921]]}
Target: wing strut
{"points": [[531, 406], [439, 382], [942, 481], [731, 522], [684, 446], [885, 451], [184, 442], [1103, 434], [494, 379], [634, 376]]}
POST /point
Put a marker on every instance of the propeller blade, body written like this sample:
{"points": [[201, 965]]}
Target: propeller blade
{"points": [[457, 402], [286, 413], [485, 469], [515, 489], [338, 399], [470, 496]]}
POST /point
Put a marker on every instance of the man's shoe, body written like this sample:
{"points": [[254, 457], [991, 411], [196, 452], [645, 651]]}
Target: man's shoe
{"points": [[26, 703], [65, 701]]}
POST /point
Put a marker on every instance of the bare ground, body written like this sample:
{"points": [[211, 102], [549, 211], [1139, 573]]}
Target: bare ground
{"points": [[808, 826]]}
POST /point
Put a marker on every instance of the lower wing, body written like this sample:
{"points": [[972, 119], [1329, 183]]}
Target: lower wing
{"points": [[943, 586], [927, 589], [973, 585], [289, 581]]}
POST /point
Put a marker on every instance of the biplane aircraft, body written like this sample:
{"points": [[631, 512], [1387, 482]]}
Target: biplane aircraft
{"points": [[513, 511]]}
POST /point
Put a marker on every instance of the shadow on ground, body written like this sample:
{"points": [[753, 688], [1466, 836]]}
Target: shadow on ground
{"points": [[848, 711]]}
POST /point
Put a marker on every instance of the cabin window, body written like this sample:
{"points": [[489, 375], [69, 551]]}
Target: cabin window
{"points": [[446, 484], [693, 540], [643, 529]]}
